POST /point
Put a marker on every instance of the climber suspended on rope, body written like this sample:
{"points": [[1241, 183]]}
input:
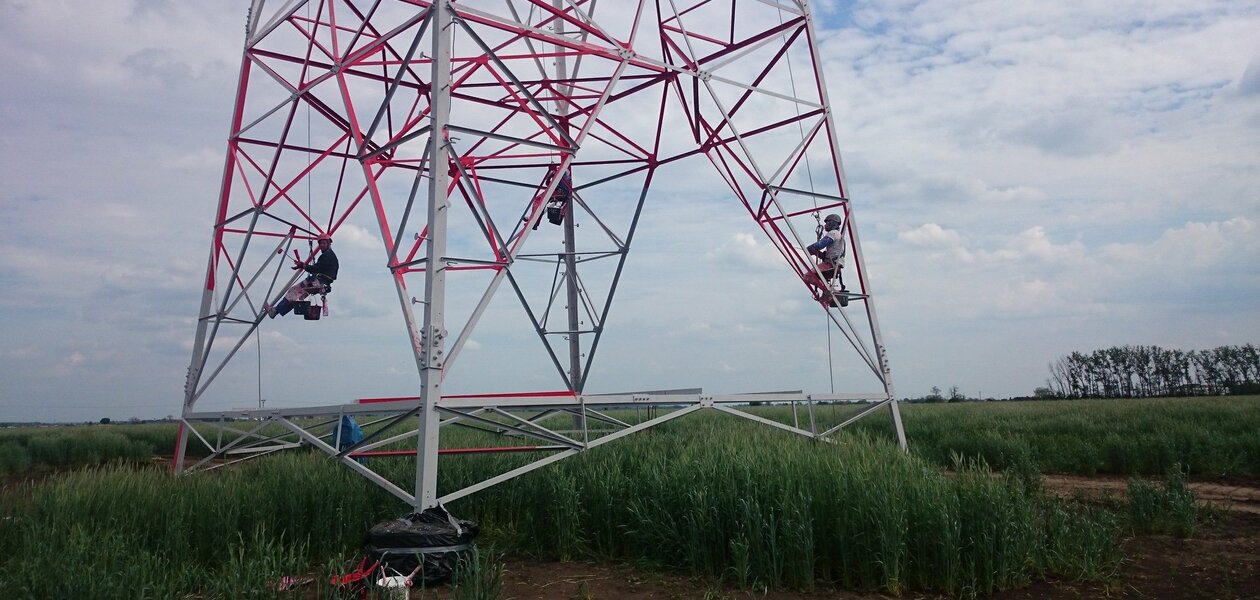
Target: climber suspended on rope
{"points": [[558, 204], [830, 251], [322, 273]]}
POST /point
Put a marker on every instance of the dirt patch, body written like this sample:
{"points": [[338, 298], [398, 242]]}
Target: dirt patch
{"points": [[1222, 561], [1237, 495], [534, 580]]}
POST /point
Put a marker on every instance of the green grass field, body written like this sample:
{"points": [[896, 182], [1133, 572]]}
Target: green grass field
{"points": [[707, 494], [1210, 436]]}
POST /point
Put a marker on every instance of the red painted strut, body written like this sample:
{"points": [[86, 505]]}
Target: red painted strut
{"points": [[459, 451]]}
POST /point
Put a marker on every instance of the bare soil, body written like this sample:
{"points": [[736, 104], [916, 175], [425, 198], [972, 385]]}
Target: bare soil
{"points": [[1222, 560], [1235, 494]]}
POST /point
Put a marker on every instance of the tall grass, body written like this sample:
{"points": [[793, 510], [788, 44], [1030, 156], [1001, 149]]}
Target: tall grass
{"points": [[709, 495], [727, 499], [26, 449], [479, 576], [1168, 508], [116, 532], [1207, 436]]}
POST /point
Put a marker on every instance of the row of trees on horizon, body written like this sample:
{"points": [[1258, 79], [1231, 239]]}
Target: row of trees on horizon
{"points": [[1144, 371]]}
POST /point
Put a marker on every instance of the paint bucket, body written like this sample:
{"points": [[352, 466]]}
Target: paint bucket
{"points": [[395, 587]]}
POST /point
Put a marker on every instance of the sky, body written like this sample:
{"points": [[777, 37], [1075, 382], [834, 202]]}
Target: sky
{"points": [[1028, 179]]}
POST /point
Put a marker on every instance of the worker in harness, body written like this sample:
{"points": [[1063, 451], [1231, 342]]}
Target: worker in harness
{"points": [[558, 204], [830, 251], [322, 273]]}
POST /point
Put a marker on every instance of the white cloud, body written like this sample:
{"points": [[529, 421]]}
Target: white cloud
{"points": [[198, 159], [693, 329], [1034, 243], [1189, 251], [1028, 179], [931, 235], [1200, 244], [1071, 132], [23, 353], [940, 244], [357, 237], [1039, 298], [742, 250]]}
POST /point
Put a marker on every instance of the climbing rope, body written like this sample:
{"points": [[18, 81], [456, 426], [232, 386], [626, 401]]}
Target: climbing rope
{"points": [[258, 345], [809, 173]]}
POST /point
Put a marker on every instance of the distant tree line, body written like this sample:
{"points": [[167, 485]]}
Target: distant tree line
{"points": [[954, 395], [1143, 371]]}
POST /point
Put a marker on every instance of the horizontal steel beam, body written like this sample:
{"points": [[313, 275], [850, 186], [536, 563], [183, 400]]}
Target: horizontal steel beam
{"points": [[559, 401]]}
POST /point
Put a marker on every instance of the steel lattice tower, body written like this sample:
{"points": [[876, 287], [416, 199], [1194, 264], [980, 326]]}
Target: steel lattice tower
{"points": [[458, 129]]}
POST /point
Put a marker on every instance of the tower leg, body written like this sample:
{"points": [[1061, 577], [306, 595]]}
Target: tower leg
{"points": [[432, 356]]}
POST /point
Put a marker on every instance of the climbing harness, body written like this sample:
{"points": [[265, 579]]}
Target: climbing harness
{"points": [[561, 198]]}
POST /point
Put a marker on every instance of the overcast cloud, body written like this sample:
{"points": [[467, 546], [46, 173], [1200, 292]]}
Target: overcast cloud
{"points": [[1029, 179]]}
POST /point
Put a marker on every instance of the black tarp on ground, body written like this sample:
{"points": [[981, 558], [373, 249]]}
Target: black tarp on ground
{"points": [[441, 539]]}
